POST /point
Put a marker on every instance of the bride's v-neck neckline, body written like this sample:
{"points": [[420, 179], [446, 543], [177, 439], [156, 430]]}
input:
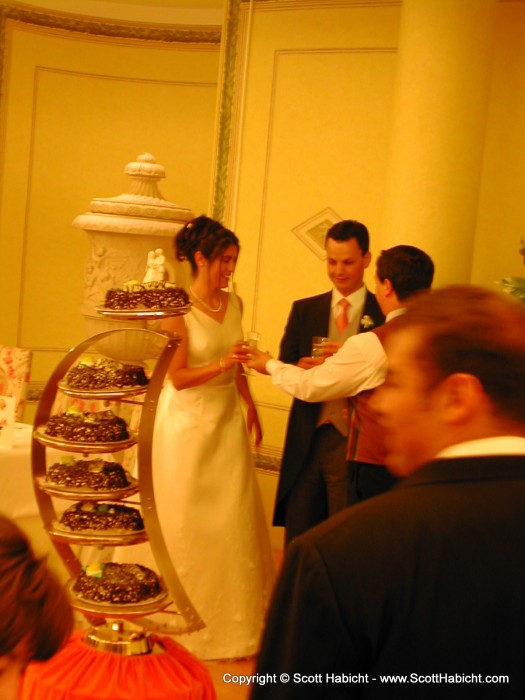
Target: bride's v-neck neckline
{"points": [[208, 315]]}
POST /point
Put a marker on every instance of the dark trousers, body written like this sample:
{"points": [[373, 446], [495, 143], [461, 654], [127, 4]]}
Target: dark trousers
{"points": [[368, 480], [322, 487]]}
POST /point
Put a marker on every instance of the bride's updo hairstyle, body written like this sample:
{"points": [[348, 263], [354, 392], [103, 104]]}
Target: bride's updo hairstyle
{"points": [[204, 235]]}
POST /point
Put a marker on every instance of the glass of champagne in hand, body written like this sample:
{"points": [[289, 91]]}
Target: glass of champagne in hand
{"points": [[252, 340], [317, 345]]}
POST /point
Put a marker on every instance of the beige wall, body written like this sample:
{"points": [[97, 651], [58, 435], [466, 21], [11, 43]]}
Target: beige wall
{"points": [[312, 120], [314, 135], [501, 220], [76, 108], [313, 123]]}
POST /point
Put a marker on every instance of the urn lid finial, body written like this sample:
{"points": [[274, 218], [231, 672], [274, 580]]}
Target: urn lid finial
{"points": [[139, 210]]}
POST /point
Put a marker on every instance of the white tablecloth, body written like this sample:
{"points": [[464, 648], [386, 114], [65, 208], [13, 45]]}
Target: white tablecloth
{"points": [[17, 496]]}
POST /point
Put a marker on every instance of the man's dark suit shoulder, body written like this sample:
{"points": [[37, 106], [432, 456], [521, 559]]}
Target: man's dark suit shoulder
{"points": [[316, 298], [393, 583], [308, 317]]}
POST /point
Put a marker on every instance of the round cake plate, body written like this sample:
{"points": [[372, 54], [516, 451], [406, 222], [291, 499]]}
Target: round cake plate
{"points": [[147, 607], [84, 447], [107, 393], [85, 494], [97, 538], [142, 314]]}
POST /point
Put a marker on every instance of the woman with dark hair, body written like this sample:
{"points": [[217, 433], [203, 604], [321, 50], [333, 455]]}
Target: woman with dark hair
{"points": [[204, 477], [36, 615]]}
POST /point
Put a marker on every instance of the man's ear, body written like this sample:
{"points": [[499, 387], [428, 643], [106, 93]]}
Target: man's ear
{"points": [[461, 396], [387, 287], [367, 257]]}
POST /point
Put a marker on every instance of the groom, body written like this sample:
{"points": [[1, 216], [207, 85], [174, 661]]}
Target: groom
{"points": [[356, 369], [313, 482]]}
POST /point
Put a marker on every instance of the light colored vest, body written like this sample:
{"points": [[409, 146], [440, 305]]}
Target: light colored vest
{"points": [[335, 411]]}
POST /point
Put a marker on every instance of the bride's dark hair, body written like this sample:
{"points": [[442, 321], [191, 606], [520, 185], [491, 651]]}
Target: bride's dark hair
{"points": [[206, 235]]}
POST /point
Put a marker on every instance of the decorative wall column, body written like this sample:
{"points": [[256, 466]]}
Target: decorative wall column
{"points": [[443, 81], [122, 230]]}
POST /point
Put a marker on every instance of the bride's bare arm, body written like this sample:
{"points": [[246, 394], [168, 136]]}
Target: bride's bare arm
{"points": [[184, 377], [252, 418]]}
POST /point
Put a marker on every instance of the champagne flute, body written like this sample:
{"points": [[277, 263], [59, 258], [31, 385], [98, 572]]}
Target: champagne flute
{"points": [[252, 340]]}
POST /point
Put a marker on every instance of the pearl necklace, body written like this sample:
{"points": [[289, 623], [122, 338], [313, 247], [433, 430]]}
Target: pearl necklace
{"points": [[214, 311]]}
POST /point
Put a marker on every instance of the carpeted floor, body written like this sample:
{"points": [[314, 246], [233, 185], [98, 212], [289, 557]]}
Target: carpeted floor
{"points": [[222, 673]]}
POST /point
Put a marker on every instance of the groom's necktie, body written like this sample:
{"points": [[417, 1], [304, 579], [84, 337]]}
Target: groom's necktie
{"points": [[342, 318]]}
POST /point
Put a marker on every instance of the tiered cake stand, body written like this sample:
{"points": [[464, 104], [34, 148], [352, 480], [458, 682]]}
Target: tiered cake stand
{"points": [[118, 628]]}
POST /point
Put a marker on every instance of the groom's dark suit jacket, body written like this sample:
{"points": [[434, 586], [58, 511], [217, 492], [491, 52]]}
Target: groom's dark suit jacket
{"points": [[428, 578], [308, 317]]}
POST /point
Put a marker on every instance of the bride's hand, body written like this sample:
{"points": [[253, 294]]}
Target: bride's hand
{"points": [[253, 425], [237, 355]]}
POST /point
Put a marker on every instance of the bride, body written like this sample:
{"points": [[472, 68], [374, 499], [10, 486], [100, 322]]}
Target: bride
{"points": [[204, 478]]}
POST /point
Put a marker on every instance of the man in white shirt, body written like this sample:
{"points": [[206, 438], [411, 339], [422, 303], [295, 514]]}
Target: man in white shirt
{"points": [[422, 587], [358, 367]]}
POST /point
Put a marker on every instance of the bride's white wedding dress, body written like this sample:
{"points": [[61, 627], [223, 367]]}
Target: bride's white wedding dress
{"points": [[208, 500]]}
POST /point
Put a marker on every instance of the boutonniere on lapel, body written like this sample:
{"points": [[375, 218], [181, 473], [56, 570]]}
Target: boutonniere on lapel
{"points": [[367, 322], [515, 286]]}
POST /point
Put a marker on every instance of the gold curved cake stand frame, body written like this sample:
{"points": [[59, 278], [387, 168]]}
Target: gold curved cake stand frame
{"points": [[185, 610]]}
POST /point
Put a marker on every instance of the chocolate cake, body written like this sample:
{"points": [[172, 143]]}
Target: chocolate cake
{"points": [[146, 295], [117, 583], [89, 515], [94, 474], [102, 373], [83, 426]]}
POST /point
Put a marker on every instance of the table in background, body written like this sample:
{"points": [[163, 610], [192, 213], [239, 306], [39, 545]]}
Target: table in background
{"points": [[17, 495]]}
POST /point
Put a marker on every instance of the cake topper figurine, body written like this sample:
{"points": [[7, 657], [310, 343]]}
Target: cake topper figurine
{"points": [[155, 266]]}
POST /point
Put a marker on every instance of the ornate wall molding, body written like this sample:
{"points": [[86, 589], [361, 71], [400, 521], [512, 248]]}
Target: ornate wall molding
{"points": [[226, 99], [120, 29], [268, 462], [285, 5], [116, 29]]}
